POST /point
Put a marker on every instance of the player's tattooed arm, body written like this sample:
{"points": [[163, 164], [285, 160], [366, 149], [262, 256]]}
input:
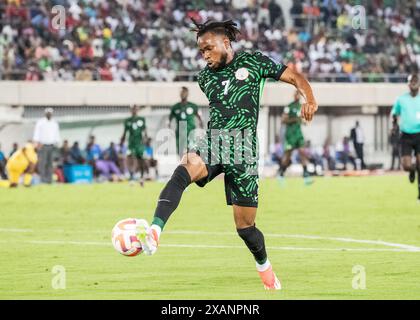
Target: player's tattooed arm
{"points": [[310, 106]]}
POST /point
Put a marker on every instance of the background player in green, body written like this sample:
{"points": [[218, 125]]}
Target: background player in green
{"points": [[233, 85], [135, 126], [407, 107], [294, 138], [184, 113]]}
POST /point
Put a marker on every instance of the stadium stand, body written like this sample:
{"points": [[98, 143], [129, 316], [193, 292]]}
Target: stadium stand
{"points": [[138, 40]]}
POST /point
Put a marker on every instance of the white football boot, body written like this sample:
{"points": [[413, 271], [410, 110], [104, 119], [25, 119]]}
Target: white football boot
{"points": [[150, 240]]}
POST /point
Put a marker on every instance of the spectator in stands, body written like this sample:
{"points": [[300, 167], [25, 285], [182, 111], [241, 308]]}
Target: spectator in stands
{"points": [[276, 14], [297, 11], [143, 40], [394, 140], [33, 73], [106, 166], [344, 153], [3, 162], [68, 156], [105, 73], [358, 138], [76, 155], [64, 154], [85, 73], [93, 153], [112, 153], [46, 136], [328, 154]]}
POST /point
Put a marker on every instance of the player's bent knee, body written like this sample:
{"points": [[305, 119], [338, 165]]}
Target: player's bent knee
{"points": [[244, 225], [195, 166]]}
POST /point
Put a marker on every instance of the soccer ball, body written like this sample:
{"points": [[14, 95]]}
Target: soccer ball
{"points": [[125, 236]]}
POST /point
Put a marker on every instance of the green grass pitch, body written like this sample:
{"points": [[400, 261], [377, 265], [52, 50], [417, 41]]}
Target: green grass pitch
{"points": [[316, 237]]}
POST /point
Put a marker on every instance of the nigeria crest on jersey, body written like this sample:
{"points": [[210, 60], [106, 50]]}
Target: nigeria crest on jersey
{"points": [[242, 74]]}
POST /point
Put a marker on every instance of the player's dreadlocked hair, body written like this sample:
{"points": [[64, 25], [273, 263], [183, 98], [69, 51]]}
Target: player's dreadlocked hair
{"points": [[228, 28]]}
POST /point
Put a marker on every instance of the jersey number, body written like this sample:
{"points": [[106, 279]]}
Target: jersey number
{"points": [[226, 85]]}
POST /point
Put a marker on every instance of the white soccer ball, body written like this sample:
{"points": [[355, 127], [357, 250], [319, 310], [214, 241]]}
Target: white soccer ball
{"points": [[125, 236]]}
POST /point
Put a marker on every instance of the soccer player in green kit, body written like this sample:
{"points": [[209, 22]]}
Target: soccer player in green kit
{"points": [[135, 126], [232, 82], [184, 113], [294, 138], [407, 107]]}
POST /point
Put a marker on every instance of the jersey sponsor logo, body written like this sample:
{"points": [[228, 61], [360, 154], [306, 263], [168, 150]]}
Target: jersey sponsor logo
{"points": [[242, 74], [140, 123], [190, 110]]}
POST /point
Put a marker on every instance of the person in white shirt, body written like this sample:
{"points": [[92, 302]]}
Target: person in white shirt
{"points": [[46, 136]]}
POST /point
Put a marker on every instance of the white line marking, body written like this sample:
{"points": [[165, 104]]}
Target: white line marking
{"points": [[15, 230], [300, 236], [404, 247], [199, 246]]}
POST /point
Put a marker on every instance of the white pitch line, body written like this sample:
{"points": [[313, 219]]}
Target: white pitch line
{"points": [[203, 246], [300, 236], [274, 235], [15, 230]]}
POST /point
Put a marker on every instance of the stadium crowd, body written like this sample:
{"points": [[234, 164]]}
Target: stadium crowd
{"points": [[136, 40]]}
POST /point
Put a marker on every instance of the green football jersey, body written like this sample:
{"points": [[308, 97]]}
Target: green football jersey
{"points": [[184, 112], [135, 126], [293, 111], [234, 91]]}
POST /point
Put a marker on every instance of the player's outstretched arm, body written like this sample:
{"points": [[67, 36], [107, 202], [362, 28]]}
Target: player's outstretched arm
{"points": [[310, 106]]}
